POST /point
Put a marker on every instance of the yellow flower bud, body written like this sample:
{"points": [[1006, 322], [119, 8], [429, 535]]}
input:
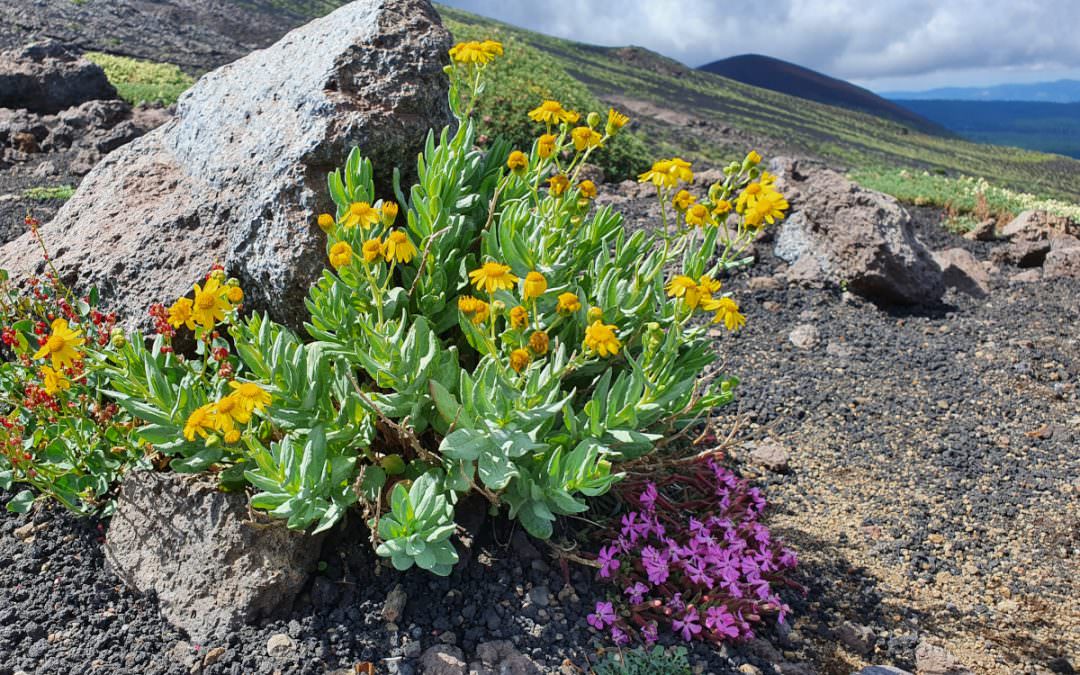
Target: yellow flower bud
{"points": [[519, 359], [389, 213], [518, 162], [538, 342], [519, 317], [117, 338], [326, 222], [545, 147], [232, 436], [592, 119], [595, 314], [235, 295], [535, 285]]}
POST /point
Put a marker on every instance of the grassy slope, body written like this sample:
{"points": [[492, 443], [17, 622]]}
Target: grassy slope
{"points": [[851, 139]]}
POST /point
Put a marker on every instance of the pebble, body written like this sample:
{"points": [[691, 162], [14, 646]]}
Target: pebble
{"points": [[804, 336], [280, 645], [394, 606]]}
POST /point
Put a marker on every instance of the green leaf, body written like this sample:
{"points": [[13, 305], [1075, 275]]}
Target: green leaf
{"points": [[466, 444], [21, 502]]}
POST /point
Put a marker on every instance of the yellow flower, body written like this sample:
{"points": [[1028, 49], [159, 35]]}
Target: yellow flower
{"points": [[594, 314], [558, 184], [474, 306], [721, 208], [749, 196], [568, 302], [588, 189], [399, 247], [668, 172], [362, 214], [519, 359], [538, 342], [326, 222], [600, 338], [180, 314], [371, 250], [615, 121], [753, 158], [767, 180], [683, 200], [250, 396], [210, 303], [340, 254], [480, 53], [517, 162], [698, 215], [552, 112], [727, 311], [493, 276], [234, 294], [389, 213], [232, 437], [519, 316], [228, 412], [708, 285], [200, 422], [686, 288], [535, 285], [585, 138], [62, 346], [53, 380], [770, 207], [545, 146]]}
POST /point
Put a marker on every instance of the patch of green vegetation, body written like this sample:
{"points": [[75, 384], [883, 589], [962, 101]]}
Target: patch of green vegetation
{"points": [[44, 194], [967, 199], [139, 81], [639, 661], [523, 78], [855, 140]]}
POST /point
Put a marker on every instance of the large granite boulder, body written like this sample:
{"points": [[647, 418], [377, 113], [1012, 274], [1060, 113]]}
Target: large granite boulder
{"points": [[211, 567], [841, 233], [239, 174], [45, 77]]}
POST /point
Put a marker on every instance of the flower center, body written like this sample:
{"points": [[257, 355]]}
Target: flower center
{"points": [[55, 343], [205, 301]]}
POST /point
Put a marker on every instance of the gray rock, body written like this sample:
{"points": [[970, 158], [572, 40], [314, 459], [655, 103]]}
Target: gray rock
{"points": [[500, 656], [881, 670], [962, 271], [47, 77], [859, 639], [239, 174], [984, 231], [843, 234], [192, 545], [933, 660], [280, 646], [1026, 277], [804, 336], [1062, 262], [1031, 225], [442, 660], [771, 454], [539, 596], [394, 606]]}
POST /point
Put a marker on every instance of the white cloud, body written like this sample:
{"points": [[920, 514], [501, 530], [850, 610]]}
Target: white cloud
{"points": [[874, 42]]}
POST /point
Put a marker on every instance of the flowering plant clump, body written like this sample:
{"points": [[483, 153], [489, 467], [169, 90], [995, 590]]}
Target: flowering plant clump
{"points": [[491, 330], [692, 559], [58, 432]]}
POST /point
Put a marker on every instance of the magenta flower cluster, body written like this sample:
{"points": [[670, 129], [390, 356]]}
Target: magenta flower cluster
{"points": [[694, 559]]}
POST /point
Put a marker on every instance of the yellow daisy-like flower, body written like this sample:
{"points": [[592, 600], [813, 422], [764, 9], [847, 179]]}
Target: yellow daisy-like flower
{"points": [[493, 276], [668, 172], [558, 184], [326, 222], [371, 250], [748, 197], [698, 215], [479, 53], [180, 314], [389, 213], [683, 200], [250, 396], [722, 207], [727, 312], [552, 112], [493, 47], [210, 303], [708, 285], [587, 189], [232, 437], [753, 158], [519, 316], [200, 422], [615, 121], [361, 213], [686, 288], [54, 381], [585, 138], [600, 339], [768, 208], [519, 359], [474, 307], [545, 146], [234, 294], [538, 342], [228, 412], [568, 303], [535, 285], [399, 247], [62, 345], [341, 254], [517, 162]]}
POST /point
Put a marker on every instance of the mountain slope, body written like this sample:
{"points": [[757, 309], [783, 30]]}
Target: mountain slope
{"points": [[789, 78], [705, 116], [1059, 91]]}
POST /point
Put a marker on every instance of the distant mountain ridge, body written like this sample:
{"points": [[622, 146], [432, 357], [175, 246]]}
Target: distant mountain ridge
{"points": [[1058, 91], [795, 80]]}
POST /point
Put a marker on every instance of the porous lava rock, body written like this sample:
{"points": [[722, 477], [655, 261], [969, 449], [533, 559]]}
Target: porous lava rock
{"points": [[47, 77], [237, 176]]}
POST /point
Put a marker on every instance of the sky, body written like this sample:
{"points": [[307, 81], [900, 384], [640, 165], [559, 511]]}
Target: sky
{"points": [[879, 44]]}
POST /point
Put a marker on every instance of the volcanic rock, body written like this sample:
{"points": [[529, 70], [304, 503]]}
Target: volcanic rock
{"points": [[46, 77]]}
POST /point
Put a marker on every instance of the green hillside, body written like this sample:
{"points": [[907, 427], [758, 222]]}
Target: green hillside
{"points": [[638, 78]]}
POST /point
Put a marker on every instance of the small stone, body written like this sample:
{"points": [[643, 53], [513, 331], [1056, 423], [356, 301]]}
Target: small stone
{"points": [[448, 638], [213, 656], [443, 660], [771, 454], [984, 231], [1026, 277], [764, 284], [859, 639], [840, 350], [770, 306], [394, 606], [538, 595], [749, 669], [25, 532], [412, 649], [804, 336], [882, 670], [933, 660], [280, 646]]}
